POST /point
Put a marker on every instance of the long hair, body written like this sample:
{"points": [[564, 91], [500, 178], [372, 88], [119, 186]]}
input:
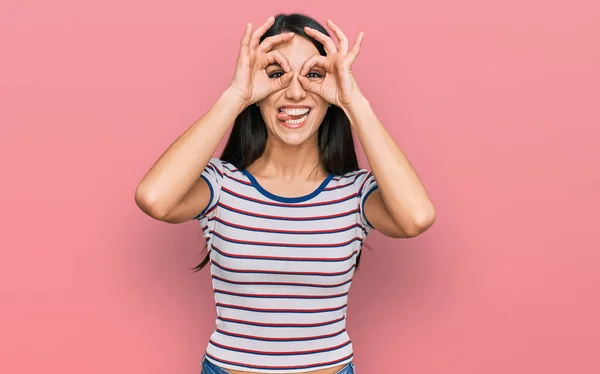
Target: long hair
{"points": [[248, 136]]}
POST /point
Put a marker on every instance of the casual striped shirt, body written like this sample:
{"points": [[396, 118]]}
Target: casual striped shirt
{"points": [[281, 269]]}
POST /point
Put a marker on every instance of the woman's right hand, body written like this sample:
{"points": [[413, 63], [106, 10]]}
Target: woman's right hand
{"points": [[250, 80]]}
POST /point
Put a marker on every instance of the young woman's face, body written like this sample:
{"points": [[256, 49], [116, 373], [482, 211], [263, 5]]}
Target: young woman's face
{"points": [[293, 115]]}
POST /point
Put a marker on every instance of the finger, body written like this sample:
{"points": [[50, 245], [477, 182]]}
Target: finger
{"points": [[309, 85], [276, 57], [314, 60], [341, 37], [244, 44], [356, 48], [259, 32], [271, 41], [282, 82], [327, 42]]}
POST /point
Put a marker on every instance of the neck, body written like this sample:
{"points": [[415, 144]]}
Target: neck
{"points": [[291, 163]]}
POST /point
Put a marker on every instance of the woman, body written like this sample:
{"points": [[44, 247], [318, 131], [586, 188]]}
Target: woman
{"points": [[285, 209]]}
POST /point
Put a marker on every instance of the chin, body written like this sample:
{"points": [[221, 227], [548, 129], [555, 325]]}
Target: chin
{"points": [[293, 139], [296, 134]]}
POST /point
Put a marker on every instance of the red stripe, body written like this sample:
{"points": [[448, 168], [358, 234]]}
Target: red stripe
{"points": [[280, 295], [283, 283], [322, 310], [282, 324], [287, 217], [229, 167], [215, 169], [347, 184], [285, 258], [353, 174], [238, 180], [315, 337], [365, 181], [286, 244], [250, 228], [280, 272], [329, 202]]}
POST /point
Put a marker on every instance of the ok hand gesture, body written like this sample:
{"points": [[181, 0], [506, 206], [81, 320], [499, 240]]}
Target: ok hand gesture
{"points": [[250, 80], [338, 87]]}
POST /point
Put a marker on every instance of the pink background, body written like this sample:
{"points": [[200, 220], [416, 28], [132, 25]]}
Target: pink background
{"points": [[496, 105]]}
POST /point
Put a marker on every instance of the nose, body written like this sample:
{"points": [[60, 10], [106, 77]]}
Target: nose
{"points": [[295, 91]]}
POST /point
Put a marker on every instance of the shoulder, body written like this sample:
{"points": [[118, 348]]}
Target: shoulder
{"points": [[353, 180], [224, 168]]}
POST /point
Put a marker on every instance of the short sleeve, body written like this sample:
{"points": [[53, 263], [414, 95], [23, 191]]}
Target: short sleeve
{"points": [[213, 175], [367, 184]]}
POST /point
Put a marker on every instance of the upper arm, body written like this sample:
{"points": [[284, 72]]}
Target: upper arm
{"points": [[201, 198], [379, 218], [374, 213]]}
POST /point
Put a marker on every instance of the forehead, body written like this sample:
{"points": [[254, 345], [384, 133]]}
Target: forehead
{"points": [[297, 50]]}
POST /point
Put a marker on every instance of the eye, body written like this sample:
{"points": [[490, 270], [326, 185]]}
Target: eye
{"points": [[276, 74], [314, 75]]}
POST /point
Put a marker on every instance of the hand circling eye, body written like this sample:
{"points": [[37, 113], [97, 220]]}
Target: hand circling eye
{"points": [[337, 85]]}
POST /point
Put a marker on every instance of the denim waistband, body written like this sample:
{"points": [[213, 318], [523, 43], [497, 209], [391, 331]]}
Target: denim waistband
{"points": [[210, 368]]}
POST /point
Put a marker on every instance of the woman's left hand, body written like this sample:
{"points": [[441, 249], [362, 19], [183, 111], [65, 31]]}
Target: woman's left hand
{"points": [[338, 87]]}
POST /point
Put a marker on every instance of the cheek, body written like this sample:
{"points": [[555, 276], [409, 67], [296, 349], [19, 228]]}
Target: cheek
{"points": [[319, 114]]}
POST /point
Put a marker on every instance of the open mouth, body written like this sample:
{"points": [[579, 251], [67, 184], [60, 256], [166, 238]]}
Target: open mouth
{"points": [[293, 116]]}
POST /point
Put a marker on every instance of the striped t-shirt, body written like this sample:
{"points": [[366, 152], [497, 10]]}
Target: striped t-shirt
{"points": [[281, 269]]}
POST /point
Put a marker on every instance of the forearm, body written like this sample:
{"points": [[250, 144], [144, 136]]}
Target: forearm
{"points": [[403, 193], [180, 166]]}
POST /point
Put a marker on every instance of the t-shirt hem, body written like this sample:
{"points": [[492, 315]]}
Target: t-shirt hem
{"points": [[278, 370]]}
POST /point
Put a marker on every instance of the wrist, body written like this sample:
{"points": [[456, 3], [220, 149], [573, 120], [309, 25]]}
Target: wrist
{"points": [[231, 97], [358, 104]]}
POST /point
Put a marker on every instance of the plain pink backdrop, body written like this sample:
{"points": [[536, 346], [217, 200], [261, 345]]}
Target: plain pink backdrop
{"points": [[496, 104]]}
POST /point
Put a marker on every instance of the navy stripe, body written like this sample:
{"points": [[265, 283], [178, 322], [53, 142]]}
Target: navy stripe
{"points": [[285, 199], [282, 325], [263, 353], [212, 194], [363, 205]]}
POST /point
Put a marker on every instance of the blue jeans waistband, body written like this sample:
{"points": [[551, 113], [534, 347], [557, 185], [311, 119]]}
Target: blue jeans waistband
{"points": [[210, 368]]}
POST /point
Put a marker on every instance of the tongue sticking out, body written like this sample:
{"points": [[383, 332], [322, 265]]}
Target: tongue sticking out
{"points": [[284, 116]]}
